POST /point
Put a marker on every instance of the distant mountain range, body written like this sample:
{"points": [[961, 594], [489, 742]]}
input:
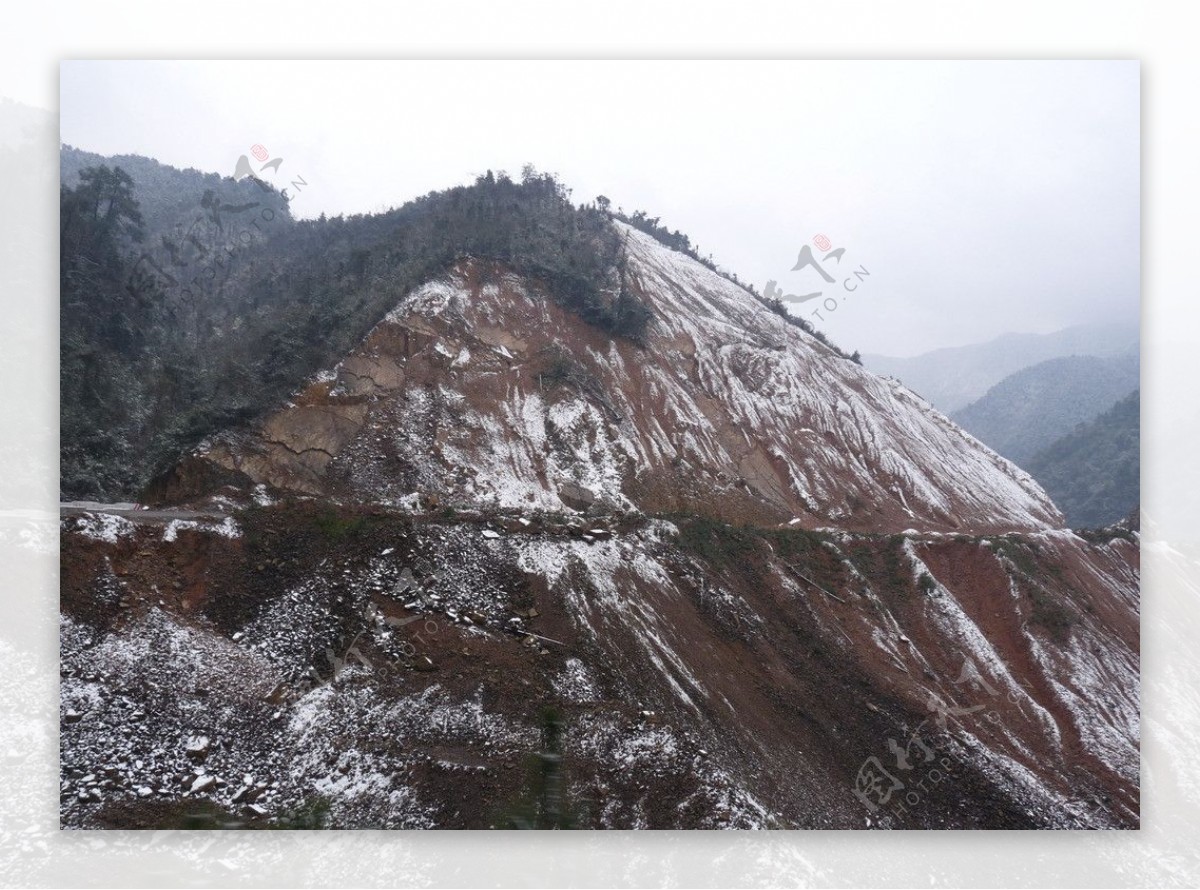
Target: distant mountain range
{"points": [[1028, 410], [953, 377], [1092, 472]]}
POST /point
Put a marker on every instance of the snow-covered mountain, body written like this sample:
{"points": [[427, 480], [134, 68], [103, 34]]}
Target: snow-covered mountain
{"points": [[480, 390], [722, 578]]}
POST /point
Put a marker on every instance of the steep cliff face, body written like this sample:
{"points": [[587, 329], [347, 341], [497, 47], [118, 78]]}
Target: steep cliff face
{"points": [[758, 586], [479, 389]]}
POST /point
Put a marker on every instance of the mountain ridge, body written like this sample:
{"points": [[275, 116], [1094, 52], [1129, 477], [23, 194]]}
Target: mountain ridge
{"points": [[714, 575], [765, 414], [1029, 409], [954, 376]]}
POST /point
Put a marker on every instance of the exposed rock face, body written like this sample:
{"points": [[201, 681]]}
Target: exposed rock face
{"points": [[902, 636], [481, 389], [790, 680]]}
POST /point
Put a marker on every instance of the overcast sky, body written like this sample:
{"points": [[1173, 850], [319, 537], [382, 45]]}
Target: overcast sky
{"points": [[982, 197]]}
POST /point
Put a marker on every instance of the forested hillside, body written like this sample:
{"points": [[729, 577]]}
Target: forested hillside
{"points": [[191, 302], [1028, 410], [1092, 473]]}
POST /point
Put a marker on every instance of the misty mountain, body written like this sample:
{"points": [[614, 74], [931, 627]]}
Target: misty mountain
{"points": [[499, 511], [953, 377], [1028, 410], [188, 208], [1093, 472], [20, 123]]}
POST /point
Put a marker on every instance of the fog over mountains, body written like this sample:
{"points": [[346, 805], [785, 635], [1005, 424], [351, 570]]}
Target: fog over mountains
{"points": [[953, 377], [1026, 411]]}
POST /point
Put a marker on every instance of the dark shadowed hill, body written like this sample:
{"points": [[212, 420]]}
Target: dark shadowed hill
{"points": [[1093, 472], [172, 201]]}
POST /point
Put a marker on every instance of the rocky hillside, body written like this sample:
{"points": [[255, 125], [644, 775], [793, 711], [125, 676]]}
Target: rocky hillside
{"points": [[502, 567], [478, 390], [398, 670], [192, 303]]}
